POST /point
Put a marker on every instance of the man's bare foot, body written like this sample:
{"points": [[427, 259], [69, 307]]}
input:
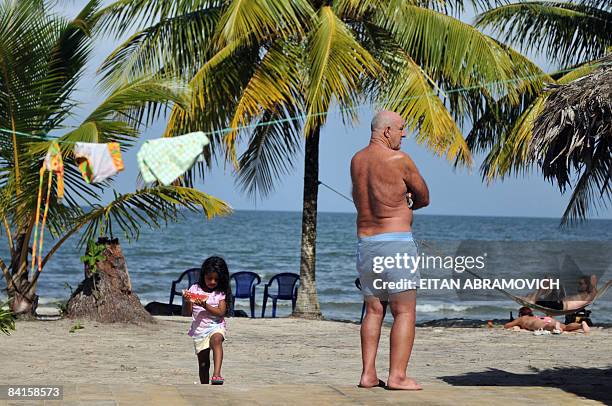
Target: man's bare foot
{"points": [[370, 382], [403, 384], [585, 327]]}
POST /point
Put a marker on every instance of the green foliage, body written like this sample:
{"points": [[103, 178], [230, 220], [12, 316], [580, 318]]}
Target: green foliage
{"points": [[576, 35], [63, 306], [43, 56], [271, 70], [7, 320], [568, 32], [93, 255], [75, 327]]}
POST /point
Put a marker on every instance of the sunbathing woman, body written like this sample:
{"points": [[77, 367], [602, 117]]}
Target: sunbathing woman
{"points": [[528, 321]]}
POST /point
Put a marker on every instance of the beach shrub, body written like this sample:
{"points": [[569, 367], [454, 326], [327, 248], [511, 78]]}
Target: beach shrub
{"points": [[93, 255], [75, 327]]}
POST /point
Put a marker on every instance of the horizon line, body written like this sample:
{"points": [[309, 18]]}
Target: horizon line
{"points": [[432, 215]]}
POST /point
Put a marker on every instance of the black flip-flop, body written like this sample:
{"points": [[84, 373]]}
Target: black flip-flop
{"points": [[381, 384]]}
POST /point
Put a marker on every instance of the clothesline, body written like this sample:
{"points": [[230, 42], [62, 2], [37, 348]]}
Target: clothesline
{"points": [[299, 117]]}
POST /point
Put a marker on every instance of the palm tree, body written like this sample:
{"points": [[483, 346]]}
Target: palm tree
{"points": [[575, 35], [270, 71], [41, 59]]}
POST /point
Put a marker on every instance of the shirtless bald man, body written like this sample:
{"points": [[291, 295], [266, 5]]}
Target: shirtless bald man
{"points": [[387, 187]]}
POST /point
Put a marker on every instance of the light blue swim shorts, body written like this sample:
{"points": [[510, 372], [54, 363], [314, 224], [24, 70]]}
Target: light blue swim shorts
{"points": [[387, 264]]}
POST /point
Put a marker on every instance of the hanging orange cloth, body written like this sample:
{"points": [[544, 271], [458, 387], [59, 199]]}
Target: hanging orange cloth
{"points": [[53, 164]]}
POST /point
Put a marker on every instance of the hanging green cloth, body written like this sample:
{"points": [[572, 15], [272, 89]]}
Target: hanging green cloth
{"points": [[166, 159]]}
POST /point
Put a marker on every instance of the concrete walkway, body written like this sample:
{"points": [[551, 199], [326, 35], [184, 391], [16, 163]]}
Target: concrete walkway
{"points": [[434, 394]]}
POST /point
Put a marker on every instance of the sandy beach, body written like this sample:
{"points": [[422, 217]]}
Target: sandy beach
{"points": [[293, 351]]}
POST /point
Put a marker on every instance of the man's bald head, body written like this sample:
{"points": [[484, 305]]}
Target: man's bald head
{"points": [[388, 129], [384, 119]]}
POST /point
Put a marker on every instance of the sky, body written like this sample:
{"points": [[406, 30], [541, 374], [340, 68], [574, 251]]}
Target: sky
{"points": [[452, 191]]}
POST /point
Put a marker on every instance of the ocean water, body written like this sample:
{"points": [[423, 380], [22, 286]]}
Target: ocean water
{"points": [[268, 243]]}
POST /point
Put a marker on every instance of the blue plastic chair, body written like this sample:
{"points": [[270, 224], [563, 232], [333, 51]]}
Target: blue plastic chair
{"points": [[193, 276], [245, 283], [287, 285], [363, 308]]}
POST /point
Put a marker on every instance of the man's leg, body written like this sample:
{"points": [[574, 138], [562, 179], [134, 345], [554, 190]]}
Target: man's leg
{"points": [[370, 335], [403, 308], [576, 326]]}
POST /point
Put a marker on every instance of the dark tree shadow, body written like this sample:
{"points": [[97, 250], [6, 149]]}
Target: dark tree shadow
{"points": [[591, 383]]}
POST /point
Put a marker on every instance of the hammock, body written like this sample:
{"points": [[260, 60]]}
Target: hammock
{"points": [[547, 310]]}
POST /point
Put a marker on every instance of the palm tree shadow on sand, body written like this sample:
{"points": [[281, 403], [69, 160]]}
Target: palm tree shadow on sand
{"points": [[591, 383]]}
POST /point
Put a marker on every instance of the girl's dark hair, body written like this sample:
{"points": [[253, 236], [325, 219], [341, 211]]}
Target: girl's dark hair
{"points": [[219, 266], [525, 311]]}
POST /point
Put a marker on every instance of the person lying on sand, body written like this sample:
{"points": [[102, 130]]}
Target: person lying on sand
{"points": [[528, 321]]}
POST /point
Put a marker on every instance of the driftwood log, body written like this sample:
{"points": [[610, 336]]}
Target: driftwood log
{"points": [[106, 295]]}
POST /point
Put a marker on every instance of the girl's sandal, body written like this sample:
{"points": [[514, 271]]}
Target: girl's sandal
{"points": [[217, 380]]}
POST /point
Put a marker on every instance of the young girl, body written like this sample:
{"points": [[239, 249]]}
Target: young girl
{"points": [[208, 322]]}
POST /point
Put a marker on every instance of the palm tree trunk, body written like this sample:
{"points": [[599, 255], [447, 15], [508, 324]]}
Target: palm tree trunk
{"points": [[22, 295], [308, 303]]}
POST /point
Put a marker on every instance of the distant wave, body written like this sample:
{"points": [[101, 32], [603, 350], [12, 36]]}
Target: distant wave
{"points": [[446, 307]]}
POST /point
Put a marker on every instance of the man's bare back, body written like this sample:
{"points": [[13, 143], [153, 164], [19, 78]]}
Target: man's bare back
{"points": [[383, 177]]}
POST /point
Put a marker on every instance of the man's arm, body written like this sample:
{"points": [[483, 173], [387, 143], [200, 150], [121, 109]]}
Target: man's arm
{"points": [[415, 184]]}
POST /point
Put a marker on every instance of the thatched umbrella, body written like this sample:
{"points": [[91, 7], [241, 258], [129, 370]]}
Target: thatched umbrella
{"points": [[573, 134]]}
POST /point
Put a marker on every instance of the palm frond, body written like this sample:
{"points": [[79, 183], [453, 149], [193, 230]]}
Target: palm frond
{"points": [[511, 153], [67, 62], [7, 320], [411, 94], [568, 32], [504, 131], [216, 89], [270, 153], [122, 16], [175, 44], [451, 50], [139, 101], [337, 66], [254, 21], [151, 207], [274, 88], [356, 9], [592, 190]]}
